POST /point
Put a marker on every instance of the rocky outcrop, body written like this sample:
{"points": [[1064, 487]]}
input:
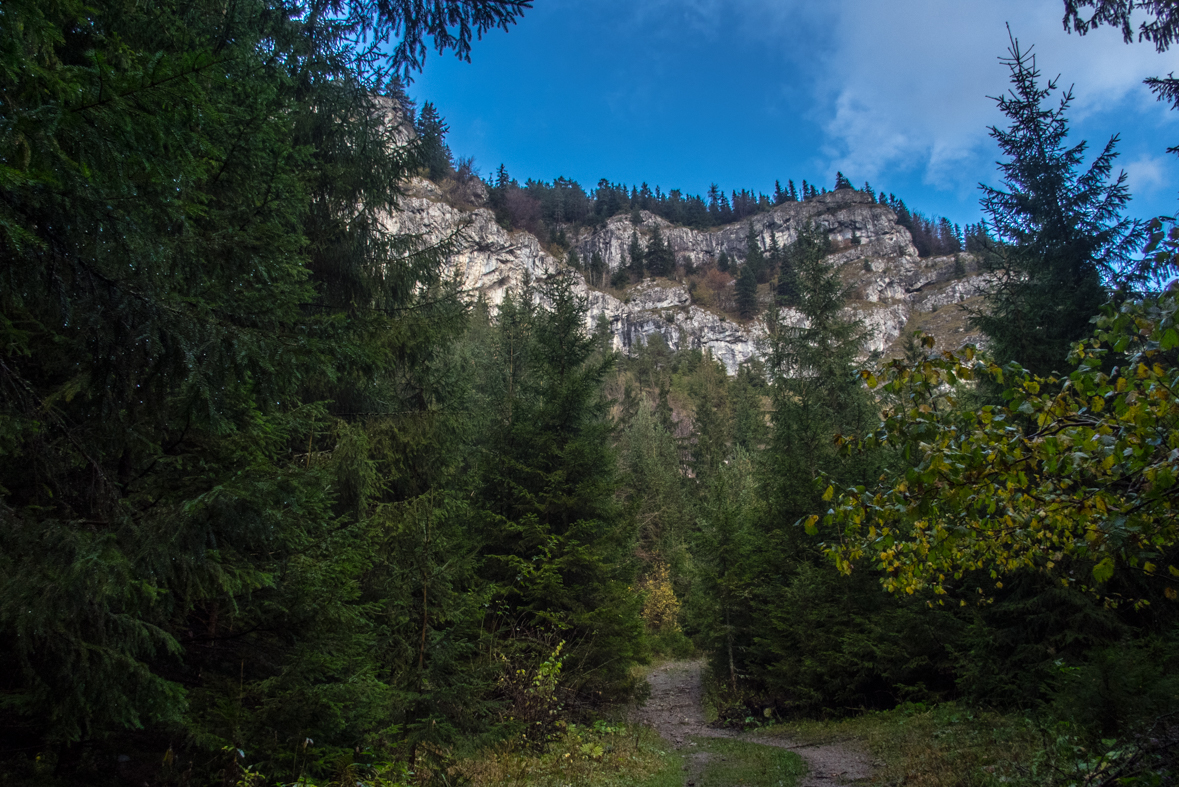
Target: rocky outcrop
{"points": [[856, 225], [890, 285], [651, 308], [485, 258]]}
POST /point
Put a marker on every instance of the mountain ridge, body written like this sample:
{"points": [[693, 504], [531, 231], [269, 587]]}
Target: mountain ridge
{"points": [[892, 290]]}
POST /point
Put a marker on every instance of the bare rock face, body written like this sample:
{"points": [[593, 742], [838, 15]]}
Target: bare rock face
{"points": [[487, 259], [891, 287], [652, 308], [856, 225]]}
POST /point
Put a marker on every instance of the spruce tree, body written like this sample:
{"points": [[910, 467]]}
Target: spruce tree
{"points": [[194, 264], [432, 148], [1061, 236], [597, 269], [747, 292], [816, 395], [754, 256], [659, 257], [558, 547], [638, 257]]}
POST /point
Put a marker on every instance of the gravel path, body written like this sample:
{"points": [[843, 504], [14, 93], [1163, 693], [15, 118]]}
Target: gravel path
{"points": [[676, 710]]}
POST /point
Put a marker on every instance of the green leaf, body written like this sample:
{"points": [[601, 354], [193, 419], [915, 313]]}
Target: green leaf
{"points": [[1103, 570]]}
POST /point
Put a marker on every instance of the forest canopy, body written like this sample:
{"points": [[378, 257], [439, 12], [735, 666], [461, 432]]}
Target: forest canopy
{"points": [[279, 506]]}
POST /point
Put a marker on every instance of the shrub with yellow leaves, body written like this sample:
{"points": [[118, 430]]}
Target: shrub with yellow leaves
{"points": [[1082, 471], [661, 609]]}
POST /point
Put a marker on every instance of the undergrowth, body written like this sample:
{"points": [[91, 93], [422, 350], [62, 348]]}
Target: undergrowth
{"points": [[751, 764], [950, 745], [602, 755]]}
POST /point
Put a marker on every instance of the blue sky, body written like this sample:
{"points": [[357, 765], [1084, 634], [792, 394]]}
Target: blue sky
{"points": [[683, 93]]}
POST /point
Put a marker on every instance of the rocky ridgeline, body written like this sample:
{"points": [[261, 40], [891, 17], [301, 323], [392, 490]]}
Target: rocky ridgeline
{"points": [[891, 287]]}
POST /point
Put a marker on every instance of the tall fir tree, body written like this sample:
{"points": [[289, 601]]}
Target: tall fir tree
{"points": [[597, 269], [747, 292], [195, 232], [660, 258], [638, 257], [557, 545], [755, 258], [434, 152], [1061, 236]]}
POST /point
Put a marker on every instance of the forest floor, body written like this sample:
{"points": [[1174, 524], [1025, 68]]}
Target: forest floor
{"points": [[675, 709]]}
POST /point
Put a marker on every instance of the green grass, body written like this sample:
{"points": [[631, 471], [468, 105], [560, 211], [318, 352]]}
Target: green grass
{"points": [[943, 746], [733, 763], [600, 756]]}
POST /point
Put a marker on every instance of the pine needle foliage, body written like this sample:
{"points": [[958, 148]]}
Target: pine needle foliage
{"points": [[207, 337], [1061, 236], [557, 545]]}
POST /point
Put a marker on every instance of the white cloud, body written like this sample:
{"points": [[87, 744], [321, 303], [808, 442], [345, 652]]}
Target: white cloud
{"points": [[1147, 174], [906, 83]]}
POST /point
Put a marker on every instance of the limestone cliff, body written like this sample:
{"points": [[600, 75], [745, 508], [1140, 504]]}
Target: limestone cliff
{"points": [[891, 287], [857, 226]]}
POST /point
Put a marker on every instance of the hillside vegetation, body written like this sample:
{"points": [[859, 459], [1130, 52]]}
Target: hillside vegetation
{"points": [[278, 506]]}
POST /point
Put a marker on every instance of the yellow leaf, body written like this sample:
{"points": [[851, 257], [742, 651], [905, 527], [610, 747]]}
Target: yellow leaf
{"points": [[1149, 568], [1170, 593], [1104, 570], [830, 493]]}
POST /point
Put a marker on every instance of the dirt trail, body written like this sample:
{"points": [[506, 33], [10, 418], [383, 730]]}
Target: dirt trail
{"points": [[675, 709]]}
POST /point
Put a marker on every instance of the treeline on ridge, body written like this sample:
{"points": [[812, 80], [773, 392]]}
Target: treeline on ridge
{"points": [[277, 506], [553, 210]]}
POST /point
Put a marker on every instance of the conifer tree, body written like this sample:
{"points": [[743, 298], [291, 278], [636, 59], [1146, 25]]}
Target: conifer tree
{"points": [[714, 206], [660, 258], [1062, 236], [816, 394], [654, 484], [755, 258], [194, 257], [597, 268], [638, 257], [557, 546], [747, 292], [432, 148]]}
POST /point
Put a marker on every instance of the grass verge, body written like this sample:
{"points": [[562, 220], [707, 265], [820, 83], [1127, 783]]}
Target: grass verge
{"points": [[603, 755], [722, 763], [943, 746]]}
